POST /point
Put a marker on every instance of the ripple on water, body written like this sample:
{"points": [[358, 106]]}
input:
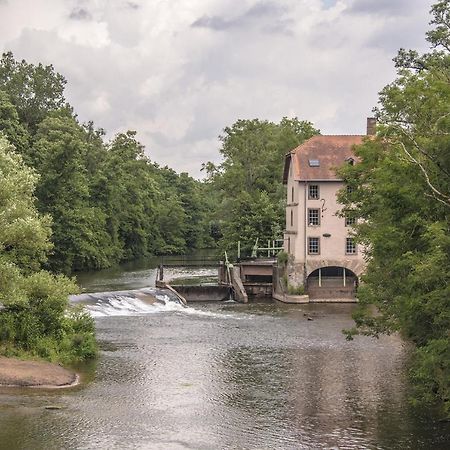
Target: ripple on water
{"points": [[231, 377]]}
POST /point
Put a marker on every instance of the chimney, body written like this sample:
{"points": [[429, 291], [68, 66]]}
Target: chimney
{"points": [[371, 126]]}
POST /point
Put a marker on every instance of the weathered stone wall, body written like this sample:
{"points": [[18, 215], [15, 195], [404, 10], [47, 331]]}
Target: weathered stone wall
{"points": [[357, 266]]}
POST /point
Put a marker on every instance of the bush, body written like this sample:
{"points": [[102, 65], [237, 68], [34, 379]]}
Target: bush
{"points": [[44, 326], [282, 258], [431, 373], [296, 290]]}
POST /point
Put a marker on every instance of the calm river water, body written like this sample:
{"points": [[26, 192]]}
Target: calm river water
{"points": [[223, 376]]}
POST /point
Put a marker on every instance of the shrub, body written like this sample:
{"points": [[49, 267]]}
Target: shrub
{"points": [[296, 290], [282, 258]]}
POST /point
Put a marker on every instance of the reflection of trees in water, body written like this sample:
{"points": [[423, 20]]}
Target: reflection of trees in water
{"points": [[255, 379], [350, 392], [19, 419]]}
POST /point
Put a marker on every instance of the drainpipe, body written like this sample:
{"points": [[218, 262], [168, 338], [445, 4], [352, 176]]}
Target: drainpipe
{"points": [[304, 230], [344, 276]]}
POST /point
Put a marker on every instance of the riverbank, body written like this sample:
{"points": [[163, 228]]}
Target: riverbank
{"points": [[16, 372]]}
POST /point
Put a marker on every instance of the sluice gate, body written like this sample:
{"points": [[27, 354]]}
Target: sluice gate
{"points": [[239, 282]]}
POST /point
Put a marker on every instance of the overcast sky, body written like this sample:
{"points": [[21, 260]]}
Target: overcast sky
{"points": [[179, 71]]}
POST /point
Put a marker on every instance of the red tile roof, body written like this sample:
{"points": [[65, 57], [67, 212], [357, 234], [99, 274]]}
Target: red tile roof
{"points": [[330, 151]]}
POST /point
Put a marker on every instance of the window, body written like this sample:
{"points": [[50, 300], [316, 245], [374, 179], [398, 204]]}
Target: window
{"points": [[292, 195], [349, 189], [292, 218], [313, 217], [350, 221], [314, 246], [313, 192], [350, 246], [314, 163]]}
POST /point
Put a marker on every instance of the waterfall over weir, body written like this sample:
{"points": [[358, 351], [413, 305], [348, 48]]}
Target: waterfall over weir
{"points": [[136, 303], [129, 303]]}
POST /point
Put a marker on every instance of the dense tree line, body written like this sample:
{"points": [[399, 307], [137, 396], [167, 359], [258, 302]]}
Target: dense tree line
{"points": [[249, 196], [401, 194], [35, 318], [108, 202]]}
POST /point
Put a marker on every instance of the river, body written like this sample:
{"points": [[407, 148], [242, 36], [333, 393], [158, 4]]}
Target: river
{"points": [[223, 376]]}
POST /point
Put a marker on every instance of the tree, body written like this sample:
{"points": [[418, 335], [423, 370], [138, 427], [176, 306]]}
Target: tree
{"points": [[33, 90], [35, 319], [11, 126], [253, 152], [401, 193], [24, 235], [79, 229]]}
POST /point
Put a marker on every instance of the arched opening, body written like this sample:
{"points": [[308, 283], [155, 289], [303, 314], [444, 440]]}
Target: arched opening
{"points": [[332, 282]]}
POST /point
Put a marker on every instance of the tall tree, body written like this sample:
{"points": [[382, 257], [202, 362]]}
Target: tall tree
{"points": [[35, 317], [253, 152], [79, 231], [11, 126], [401, 193], [33, 90]]}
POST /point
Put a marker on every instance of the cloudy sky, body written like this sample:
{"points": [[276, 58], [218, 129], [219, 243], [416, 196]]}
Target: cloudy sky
{"points": [[179, 71]]}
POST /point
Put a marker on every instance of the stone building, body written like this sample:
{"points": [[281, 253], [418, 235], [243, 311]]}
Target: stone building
{"points": [[323, 255]]}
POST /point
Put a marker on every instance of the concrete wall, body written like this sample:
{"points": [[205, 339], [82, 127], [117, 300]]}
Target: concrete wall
{"points": [[203, 293]]}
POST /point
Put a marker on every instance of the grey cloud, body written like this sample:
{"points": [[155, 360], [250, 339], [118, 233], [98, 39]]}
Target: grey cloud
{"points": [[215, 23], [329, 74], [397, 35], [259, 14], [383, 7], [264, 9], [80, 14], [132, 5]]}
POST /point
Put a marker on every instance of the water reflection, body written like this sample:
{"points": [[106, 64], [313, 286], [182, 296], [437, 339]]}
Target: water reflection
{"points": [[229, 376]]}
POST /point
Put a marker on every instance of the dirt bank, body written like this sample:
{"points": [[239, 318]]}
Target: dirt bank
{"points": [[15, 372]]}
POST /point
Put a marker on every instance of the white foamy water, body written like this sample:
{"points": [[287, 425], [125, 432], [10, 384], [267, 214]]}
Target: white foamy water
{"points": [[123, 305]]}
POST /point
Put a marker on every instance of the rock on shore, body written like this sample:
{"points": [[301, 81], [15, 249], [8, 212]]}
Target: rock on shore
{"points": [[15, 372]]}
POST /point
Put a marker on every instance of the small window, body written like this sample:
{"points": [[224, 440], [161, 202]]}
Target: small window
{"points": [[314, 246], [313, 217], [314, 163], [350, 246], [350, 221], [313, 192], [292, 195], [292, 218]]}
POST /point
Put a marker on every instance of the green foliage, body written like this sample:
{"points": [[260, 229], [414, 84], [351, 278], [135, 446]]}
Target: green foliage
{"points": [[23, 233], [283, 258], [248, 186], [296, 290], [34, 319], [10, 124], [33, 90], [108, 202], [401, 191], [258, 218]]}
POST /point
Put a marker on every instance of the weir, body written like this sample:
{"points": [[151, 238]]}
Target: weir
{"points": [[239, 282]]}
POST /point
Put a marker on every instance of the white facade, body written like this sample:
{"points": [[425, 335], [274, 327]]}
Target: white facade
{"points": [[330, 230], [316, 236]]}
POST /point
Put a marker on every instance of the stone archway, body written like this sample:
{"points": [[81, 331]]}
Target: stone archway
{"points": [[357, 266], [332, 282]]}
